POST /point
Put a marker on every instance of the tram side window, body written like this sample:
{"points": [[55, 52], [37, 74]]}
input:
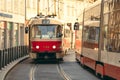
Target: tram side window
{"points": [[79, 34], [92, 34], [90, 37], [59, 31], [67, 33], [113, 41], [38, 32]]}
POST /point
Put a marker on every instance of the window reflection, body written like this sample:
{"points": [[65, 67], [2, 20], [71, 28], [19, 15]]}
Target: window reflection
{"points": [[112, 28], [44, 31], [91, 36]]}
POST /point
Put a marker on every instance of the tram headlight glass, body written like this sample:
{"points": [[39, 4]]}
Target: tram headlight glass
{"points": [[95, 48], [53, 46], [37, 47]]}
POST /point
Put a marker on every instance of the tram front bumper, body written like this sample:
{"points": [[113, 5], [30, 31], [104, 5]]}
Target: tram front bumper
{"points": [[48, 55]]}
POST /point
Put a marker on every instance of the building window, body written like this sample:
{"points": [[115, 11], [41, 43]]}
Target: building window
{"points": [[9, 5], [21, 34], [15, 35], [3, 5], [2, 35]]}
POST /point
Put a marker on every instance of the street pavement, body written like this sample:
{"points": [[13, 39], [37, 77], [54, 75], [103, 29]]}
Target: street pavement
{"points": [[74, 70], [69, 65]]}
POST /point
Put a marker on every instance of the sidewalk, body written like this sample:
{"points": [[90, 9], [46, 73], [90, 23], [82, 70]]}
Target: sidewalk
{"points": [[7, 68]]}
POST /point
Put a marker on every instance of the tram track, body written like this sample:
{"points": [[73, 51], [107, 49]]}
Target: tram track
{"points": [[62, 73], [28, 70], [32, 72], [59, 69]]}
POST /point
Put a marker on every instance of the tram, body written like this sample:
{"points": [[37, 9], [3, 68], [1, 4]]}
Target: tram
{"points": [[46, 38], [67, 38], [78, 41], [101, 40]]}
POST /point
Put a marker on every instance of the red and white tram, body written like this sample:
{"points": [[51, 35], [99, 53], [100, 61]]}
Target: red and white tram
{"points": [[101, 40], [67, 38], [78, 41], [46, 38]]}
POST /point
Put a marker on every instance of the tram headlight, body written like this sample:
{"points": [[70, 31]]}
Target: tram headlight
{"points": [[95, 48], [53, 46], [37, 47]]}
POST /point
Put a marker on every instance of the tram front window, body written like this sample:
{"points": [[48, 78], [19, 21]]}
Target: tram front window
{"points": [[42, 31]]}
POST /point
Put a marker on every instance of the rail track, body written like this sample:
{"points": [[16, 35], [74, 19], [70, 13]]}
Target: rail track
{"points": [[62, 73], [59, 69]]}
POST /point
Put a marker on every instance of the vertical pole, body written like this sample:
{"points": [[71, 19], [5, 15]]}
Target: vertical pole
{"points": [[71, 39], [25, 10], [38, 7], [48, 7], [55, 7], [82, 31], [58, 10], [101, 29]]}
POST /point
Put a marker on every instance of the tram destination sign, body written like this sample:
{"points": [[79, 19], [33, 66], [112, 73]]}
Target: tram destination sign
{"points": [[45, 21]]}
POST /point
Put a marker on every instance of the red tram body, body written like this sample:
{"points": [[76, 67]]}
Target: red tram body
{"points": [[46, 38], [78, 42], [67, 38]]}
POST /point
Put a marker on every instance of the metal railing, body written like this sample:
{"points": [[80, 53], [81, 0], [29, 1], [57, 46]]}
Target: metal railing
{"points": [[11, 54]]}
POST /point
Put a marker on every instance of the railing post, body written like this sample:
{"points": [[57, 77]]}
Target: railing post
{"points": [[3, 64], [0, 59]]}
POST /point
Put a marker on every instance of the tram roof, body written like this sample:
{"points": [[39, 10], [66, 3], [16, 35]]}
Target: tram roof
{"points": [[52, 21]]}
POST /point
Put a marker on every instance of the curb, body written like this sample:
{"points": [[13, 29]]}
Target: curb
{"points": [[7, 68]]}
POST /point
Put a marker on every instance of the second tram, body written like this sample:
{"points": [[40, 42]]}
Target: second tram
{"points": [[101, 39]]}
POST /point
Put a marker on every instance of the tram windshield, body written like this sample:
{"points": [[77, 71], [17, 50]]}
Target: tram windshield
{"points": [[43, 31]]}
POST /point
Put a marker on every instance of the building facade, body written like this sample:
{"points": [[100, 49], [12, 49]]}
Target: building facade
{"points": [[12, 18]]}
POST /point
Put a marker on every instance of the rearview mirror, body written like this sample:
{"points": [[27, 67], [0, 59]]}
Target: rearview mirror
{"points": [[76, 26], [26, 30]]}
